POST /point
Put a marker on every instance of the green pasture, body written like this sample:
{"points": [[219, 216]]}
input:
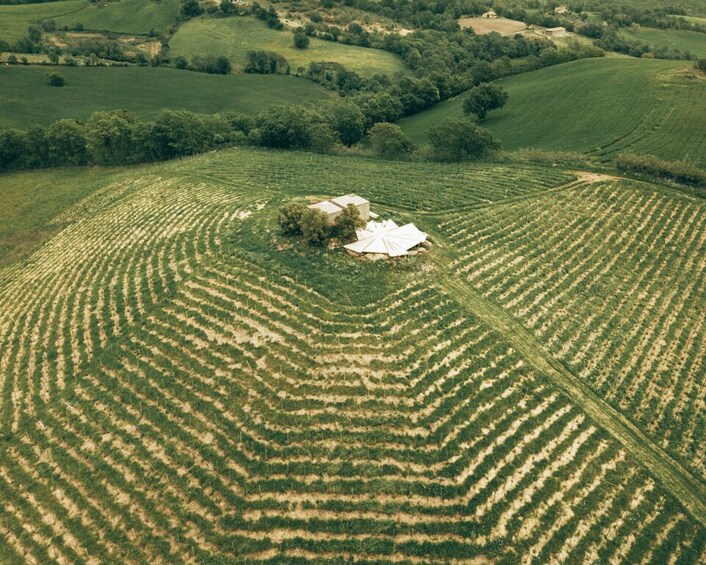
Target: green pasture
{"points": [[27, 98], [596, 106], [233, 37], [686, 41], [15, 19], [125, 16]]}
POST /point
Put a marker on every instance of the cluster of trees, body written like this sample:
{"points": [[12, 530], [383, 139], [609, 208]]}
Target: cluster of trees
{"points": [[120, 138], [296, 220], [266, 63]]}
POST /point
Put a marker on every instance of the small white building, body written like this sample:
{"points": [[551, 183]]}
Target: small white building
{"points": [[333, 208], [555, 32], [489, 14], [561, 10]]}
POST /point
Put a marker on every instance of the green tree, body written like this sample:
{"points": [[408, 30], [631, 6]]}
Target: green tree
{"points": [[389, 140], [66, 143], [701, 65], [301, 40], [190, 9], [55, 79], [483, 98], [110, 137], [347, 120], [289, 218], [459, 139], [346, 223], [13, 147], [178, 133], [315, 227], [284, 127]]}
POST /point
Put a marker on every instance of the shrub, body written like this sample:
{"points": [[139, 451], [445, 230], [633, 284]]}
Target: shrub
{"points": [[289, 218], [389, 140], [346, 223], [651, 166], [701, 65], [301, 40], [55, 79], [459, 139], [315, 227]]}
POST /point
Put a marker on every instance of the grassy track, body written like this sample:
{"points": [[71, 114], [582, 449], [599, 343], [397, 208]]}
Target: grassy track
{"points": [[28, 99], [685, 41], [125, 16], [14, 20], [598, 106], [178, 380], [233, 37]]}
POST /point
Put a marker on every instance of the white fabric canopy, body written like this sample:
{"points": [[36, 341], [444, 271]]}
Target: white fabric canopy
{"points": [[387, 237]]}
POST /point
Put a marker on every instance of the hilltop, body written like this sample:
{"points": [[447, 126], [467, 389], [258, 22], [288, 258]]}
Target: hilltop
{"points": [[232, 396]]}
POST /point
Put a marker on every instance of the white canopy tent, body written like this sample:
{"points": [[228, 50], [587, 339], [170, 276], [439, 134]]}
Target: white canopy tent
{"points": [[387, 238]]}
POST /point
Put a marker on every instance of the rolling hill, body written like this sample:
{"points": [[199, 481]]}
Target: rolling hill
{"points": [[686, 41], [181, 383], [596, 106], [15, 19], [27, 98], [125, 16], [233, 37]]}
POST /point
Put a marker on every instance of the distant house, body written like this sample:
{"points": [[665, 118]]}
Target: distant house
{"points": [[333, 208], [555, 31], [561, 10], [490, 14]]}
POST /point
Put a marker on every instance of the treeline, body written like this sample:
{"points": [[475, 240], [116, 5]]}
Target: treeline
{"points": [[653, 167], [120, 138]]}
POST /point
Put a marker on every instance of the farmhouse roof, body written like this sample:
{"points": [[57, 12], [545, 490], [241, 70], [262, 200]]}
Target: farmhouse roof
{"points": [[326, 207], [354, 199], [557, 29], [387, 238]]}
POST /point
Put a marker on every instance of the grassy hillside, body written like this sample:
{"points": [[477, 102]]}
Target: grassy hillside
{"points": [[125, 16], [233, 37], [32, 201], [27, 98], [178, 380], [14, 20], [685, 41], [598, 106]]}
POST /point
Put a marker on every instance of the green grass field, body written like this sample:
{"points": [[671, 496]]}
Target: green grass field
{"points": [[178, 380], [233, 37], [32, 201], [125, 16], [14, 20], [27, 98], [685, 41], [596, 106]]}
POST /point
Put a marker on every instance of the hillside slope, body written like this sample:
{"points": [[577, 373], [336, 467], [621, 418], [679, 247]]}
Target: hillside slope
{"points": [[597, 106], [234, 37], [28, 99], [178, 380]]}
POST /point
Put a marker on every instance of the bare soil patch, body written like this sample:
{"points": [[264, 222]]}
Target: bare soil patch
{"points": [[483, 26]]}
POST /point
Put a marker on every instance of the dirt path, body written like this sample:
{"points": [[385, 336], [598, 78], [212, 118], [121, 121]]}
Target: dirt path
{"points": [[675, 478]]}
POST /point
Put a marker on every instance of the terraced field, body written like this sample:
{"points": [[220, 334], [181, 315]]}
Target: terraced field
{"points": [[179, 384], [597, 106], [611, 278]]}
